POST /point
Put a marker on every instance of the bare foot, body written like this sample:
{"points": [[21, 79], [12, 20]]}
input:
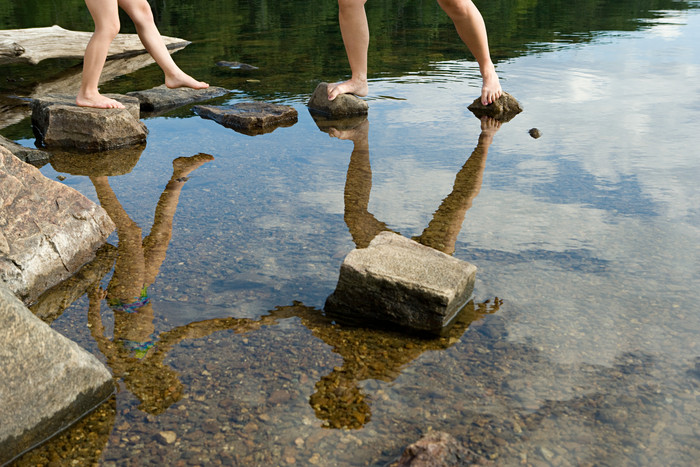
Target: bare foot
{"points": [[182, 166], [356, 86], [183, 80], [491, 88], [98, 101]]}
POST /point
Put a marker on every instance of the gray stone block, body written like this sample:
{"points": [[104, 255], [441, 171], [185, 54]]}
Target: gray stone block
{"points": [[47, 382], [59, 123], [399, 281], [250, 118], [161, 97], [345, 105]]}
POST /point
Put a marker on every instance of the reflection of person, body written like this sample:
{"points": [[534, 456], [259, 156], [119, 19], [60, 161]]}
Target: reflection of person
{"points": [[105, 14], [470, 27]]}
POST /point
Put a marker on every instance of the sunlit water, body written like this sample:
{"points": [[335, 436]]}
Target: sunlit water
{"points": [[589, 235]]}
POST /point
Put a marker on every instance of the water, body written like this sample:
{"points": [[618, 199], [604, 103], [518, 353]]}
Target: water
{"points": [[589, 236]]}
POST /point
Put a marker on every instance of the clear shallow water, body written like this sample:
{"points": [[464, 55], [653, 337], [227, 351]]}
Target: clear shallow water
{"points": [[588, 234]]}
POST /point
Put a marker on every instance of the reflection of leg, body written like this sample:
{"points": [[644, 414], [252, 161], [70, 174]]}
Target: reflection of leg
{"points": [[441, 234], [127, 280], [156, 243], [355, 31]]}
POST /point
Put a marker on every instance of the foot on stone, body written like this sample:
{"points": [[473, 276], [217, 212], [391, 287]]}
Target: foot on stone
{"points": [[491, 87], [182, 166], [98, 102], [183, 80], [357, 87]]}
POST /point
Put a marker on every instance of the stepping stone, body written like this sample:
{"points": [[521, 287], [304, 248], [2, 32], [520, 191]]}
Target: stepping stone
{"points": [[503, 109], [345, 105], [403, 283], [250, 118], [59, 123], [162, 97]]}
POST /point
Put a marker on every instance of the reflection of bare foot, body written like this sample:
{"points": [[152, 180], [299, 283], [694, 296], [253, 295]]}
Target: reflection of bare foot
{"points": [[183, 80], [491, 88], [97, 101], [489, 127], [358, 133], [356, 86], [182, 166]]}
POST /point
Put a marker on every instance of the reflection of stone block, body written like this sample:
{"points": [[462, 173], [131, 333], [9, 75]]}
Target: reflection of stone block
{"points": [[397, 280], [59, 123], [162, 97], [250, 118], [106, 163], [503, 109], [47, 382], [345, 105]]}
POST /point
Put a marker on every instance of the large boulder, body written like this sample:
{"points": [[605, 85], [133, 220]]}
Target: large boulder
{"points": [[398, 281], [502, 109], [345, 105], [250, 118], [47, 381], [47, 230], [59, 123], [162, 98]]}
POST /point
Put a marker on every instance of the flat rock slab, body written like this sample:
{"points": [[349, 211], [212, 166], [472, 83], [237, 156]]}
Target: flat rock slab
{"points": [[30, 155], [399, 281], [162, 97], [250, 118], [503, 109], [345, 105], [47, 381], [47, 230], [59, 123]]}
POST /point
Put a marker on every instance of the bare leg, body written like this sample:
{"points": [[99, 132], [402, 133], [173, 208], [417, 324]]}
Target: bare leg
{"points": [[105, 15], [472, 30], [140, 13], [355, 31]]}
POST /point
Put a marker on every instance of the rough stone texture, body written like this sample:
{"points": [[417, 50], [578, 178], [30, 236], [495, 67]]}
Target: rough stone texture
{"points": [[104, 163], [32, 156], [162, 97], [503, 109], [345, 105], [436, 449], [47, 230], [397, 280], [59, 123], [47, 382], [250, 118]]}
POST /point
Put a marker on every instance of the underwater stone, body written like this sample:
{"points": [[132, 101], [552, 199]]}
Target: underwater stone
{"points": [[250, 118], [59, 123], [162, 97], [502, 109], [47, 382], [399, 281], [435, 449], [345, 105]]}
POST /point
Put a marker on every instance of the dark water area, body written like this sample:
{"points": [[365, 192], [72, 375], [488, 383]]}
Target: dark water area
{"points": [[581, 344]]}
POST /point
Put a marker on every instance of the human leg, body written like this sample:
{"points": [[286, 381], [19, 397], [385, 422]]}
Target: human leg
{"points": [[140, 13], [355, 32], [472, 30], [105, 15]]}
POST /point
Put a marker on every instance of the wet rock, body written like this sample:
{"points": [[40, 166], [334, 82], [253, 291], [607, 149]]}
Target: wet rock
{"points": [[166, 437], [236, 65], [35, 157], [250, 118], [399, 281], [47, 382], [162, 97], [503, 109], [104, 163], [47, 230], [534, 132], [436, 449], [59, 123], [345, 105]]}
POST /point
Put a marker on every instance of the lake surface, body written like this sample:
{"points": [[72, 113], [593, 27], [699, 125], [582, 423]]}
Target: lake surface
{"points": [[581, 346]]}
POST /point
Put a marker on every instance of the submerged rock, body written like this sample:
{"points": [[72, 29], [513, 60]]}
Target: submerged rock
{"points": [[47, 230], [345, 105], [162, 97], [47, 382], [437, 449], [250, 118], [59, 123], [399, 281], [503, 109], [35, 157]]}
